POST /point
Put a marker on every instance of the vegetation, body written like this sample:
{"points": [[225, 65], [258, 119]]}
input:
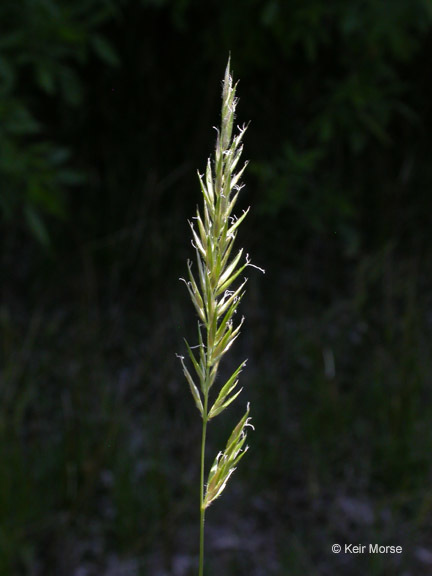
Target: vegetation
{"points": [[215, 300], [105, 110]]}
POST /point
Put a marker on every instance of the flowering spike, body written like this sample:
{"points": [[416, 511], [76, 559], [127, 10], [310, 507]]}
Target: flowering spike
{"points": [[213, 298]]}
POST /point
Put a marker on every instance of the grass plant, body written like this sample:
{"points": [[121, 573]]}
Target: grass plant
{"points": [[215, 295]]}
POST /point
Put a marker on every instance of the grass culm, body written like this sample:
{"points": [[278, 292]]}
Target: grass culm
{"points": [[216, 288]]}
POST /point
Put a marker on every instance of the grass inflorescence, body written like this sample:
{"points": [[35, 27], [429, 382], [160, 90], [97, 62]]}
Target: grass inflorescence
{"points": [[216, 295]]}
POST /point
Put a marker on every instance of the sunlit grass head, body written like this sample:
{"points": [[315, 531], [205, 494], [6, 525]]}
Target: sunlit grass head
{"points": [[216, 285]]}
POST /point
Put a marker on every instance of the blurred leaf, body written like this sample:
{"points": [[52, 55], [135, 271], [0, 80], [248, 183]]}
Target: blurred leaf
{"points": [[36, 225], [71, 34], [7, 76], [71, 177], [105, 51], [270, 13], [44, 195], [71, 86], [45, 78], [21, 121], [59, 156]]}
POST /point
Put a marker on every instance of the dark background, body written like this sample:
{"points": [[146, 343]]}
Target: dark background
{"points": [[106, 113]]}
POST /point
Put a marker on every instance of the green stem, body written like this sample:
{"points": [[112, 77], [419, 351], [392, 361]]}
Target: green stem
{"points": [[202, 507]]}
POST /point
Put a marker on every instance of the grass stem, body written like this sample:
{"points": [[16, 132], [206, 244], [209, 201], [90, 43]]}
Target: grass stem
{"points": [[202, 506]]}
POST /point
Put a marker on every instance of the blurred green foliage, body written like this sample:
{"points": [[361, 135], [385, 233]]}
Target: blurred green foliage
{"points": [[106, 110], [332, 92], [42, 47]]}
